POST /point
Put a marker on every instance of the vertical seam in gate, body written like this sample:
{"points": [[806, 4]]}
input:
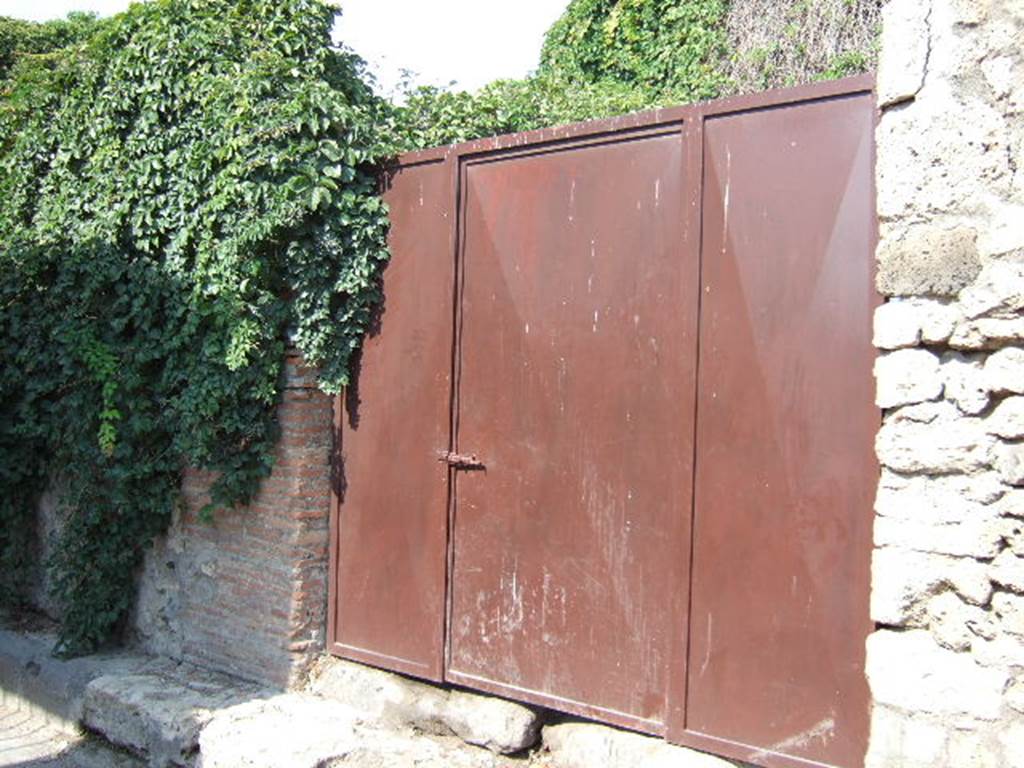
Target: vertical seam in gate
{"points": [[700, 173], [457, 239]]}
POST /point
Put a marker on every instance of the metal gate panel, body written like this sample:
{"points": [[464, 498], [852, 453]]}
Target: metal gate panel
{"points": [[575, 390], [389, 527], [785, 470]]}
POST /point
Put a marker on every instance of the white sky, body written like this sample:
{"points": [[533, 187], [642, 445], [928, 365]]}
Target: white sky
{"points": [[470, 42]]}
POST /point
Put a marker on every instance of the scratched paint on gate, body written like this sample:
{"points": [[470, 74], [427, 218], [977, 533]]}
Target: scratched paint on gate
{"points": [[571, 285]]}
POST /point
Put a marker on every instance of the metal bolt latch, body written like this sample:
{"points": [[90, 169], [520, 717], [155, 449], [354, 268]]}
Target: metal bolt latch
{"points": [[461, 460]]}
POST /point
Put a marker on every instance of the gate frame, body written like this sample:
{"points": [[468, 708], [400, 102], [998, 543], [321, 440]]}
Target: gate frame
{"points": [[690, 121]]}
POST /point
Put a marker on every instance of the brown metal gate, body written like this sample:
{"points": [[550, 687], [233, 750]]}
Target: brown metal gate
{"points": [[610, 447]]}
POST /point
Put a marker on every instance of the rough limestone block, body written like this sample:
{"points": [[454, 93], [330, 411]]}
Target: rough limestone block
{"points": [[940, 446], [943, 498], [496, 724], [910, 671], [1012, 739], [996, 292], [1004, 370], [1008, 570], [1000, 652], [1009, 462], [588, 745], [964, 382], [157, 715], [902, 581], [928, 261], [904, 51], [976, 537], [897, 325], [288, 730], [1015, 695], [972, 749], [1007, 420], [307, 731], [907, 376], [956, 624], [909, 742]]}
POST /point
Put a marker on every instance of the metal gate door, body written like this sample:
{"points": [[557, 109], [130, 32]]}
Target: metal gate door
{"points": [[642, 347], [577, 357]]}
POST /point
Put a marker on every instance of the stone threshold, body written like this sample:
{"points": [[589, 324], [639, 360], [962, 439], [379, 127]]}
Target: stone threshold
{"points": [[170, 714]]}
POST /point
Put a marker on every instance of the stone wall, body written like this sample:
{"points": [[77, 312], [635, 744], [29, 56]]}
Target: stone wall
{"points": [[946, 664], [246, 594]]}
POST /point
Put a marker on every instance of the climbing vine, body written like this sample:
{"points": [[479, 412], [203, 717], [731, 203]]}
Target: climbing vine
{"points": [[183, 191]]}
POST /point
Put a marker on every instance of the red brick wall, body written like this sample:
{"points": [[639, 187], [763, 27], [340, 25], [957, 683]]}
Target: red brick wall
{"points": [[247, 593]]}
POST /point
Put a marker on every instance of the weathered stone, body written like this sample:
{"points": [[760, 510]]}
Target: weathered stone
{"points": [[1015, 694], [971, 749], [902, 581], [487, 721], [1008, 570], [947, 515], [305, 731], [1009, 610], [159, 715], [938, 319], [1012, 503], [287, 730], [943, 498], [964, 382], [956, 624], [905, 43], [1013, 535], [898, 738], [1004, 370], [897, 324], [906, 377], [1012, 739], [943, 446], [922, 413], [908, 670], [588, 745], [1007, 420], [928, 261], [998, 331], [975, 537], [494, 724], [1001, 651], [1009, 462], [995, 292]]}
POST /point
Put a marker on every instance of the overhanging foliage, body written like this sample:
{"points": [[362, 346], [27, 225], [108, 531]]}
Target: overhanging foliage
{"points": [[179, 194]]}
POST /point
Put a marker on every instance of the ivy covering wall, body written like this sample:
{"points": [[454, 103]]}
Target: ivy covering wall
{"points": [[189, 187], [182, 193]]}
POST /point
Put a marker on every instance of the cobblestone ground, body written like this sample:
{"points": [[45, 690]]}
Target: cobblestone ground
{"points": [[29, 740]]}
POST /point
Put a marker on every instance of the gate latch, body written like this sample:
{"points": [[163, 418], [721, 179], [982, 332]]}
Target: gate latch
{"points": [[461, 460]]}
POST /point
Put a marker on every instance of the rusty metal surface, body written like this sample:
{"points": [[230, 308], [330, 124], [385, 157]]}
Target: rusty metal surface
{"points": [[785, 470], [577, 354], [390, 527], [577, 465]]}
